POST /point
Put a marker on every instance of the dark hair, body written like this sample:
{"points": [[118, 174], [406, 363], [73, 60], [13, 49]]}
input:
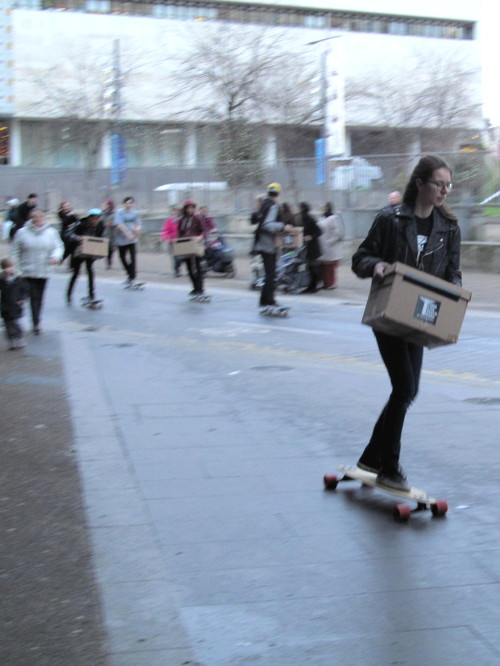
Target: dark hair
{"points": [[423, 171], [128, 199], [32, 196], [304, 207], [6, 262], [328, 209]]}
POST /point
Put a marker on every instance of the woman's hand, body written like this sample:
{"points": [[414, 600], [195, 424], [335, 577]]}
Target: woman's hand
{"points": [[379, 269]]}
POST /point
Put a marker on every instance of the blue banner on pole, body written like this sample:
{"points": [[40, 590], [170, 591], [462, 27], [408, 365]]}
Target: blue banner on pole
{"points": [[118, 159], [319, 153]]}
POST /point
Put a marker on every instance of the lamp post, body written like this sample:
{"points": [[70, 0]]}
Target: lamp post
{"points": [[332, 141]]}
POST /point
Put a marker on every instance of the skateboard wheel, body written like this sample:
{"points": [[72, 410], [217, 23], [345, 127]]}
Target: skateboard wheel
{"points": [[330, 481], [401, 512], [439, 508]]}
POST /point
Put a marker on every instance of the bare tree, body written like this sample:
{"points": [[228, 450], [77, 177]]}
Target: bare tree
{"points": [[429, 94], [80, 94], [240, 79]]}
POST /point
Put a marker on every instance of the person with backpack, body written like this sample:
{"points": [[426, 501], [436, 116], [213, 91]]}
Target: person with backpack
{"points": [[267, 218]]}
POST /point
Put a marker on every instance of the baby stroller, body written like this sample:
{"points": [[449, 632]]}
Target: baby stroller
{"points": [[218, 257], [292, 272]]}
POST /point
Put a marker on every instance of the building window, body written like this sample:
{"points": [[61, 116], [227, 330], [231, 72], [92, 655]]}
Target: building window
{"points": [[269, 15]]}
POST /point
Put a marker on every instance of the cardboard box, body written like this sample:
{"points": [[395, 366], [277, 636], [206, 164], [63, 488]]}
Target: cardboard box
{"points": [[416, 306], [92, 246], [291, 239], [188, 247]]}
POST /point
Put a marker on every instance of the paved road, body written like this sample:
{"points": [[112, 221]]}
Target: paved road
{"points": [[201, 434]]}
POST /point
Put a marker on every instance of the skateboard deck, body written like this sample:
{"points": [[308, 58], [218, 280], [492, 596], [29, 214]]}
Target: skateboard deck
{"points": [[137, 286], [400, 511], [200, 298], [274, 311]]}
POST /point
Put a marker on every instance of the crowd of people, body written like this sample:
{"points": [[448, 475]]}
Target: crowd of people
{"points": [[35, 244], [322, 241]]}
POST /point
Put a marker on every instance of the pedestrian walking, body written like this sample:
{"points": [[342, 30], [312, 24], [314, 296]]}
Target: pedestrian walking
{"points": [[34, 248], [268, 226], [23, 214], [108, 213], [312, 232], [330, 243], [190, 224], [91, 225], [287, 215], [169, 234], [13, 293], [127, 224], [68, 218], [394, 198], [422, 232]]}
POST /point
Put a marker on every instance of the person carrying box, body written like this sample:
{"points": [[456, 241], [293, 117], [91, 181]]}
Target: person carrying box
{"points": [[191, 225], [424, 234], [91, 225]]}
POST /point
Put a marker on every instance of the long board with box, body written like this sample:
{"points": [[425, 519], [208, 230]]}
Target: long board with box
{"points": [[416, 306], [92, 247], [188, 247]]}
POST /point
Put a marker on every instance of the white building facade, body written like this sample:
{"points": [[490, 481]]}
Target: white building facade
{"points": [[75, 73]]}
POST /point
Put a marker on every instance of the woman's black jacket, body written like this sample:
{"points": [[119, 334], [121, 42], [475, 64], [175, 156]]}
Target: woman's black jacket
{"points": [[311, 229], [393, 237]]}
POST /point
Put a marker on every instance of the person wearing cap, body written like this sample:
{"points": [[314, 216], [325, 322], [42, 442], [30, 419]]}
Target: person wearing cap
{"points": [[127, 228], [91, 225], [189, 224], [268, 226]]}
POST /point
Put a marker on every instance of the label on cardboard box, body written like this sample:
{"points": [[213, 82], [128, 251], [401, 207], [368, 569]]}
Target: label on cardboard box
{"points": [[427, 309]]}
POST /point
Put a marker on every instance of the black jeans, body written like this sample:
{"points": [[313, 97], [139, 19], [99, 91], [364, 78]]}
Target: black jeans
{"points": [[403, 361], [13, 329], [128, 264], [267, 293], [194, 269], [76, 264], [37, 290]]}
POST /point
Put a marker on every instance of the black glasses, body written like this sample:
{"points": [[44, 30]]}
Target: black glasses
{"points": [[441, 185]]}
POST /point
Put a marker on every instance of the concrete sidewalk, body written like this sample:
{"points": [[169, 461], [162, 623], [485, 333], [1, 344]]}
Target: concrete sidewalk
{"points": [[51, 612]]}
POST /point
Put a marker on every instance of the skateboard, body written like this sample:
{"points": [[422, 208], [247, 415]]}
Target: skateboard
{"points": [[401, 512], [274, 311], [136, 286], [92, 304], [200, 298]]}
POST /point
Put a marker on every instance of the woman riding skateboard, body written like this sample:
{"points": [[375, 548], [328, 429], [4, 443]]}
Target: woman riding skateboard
{"points": [[422, 233]]}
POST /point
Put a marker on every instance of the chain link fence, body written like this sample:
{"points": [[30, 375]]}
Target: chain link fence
{"points": [[357, 186]]}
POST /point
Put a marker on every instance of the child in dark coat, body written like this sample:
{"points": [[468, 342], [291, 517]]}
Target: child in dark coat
{"points": [[13, 292]]}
